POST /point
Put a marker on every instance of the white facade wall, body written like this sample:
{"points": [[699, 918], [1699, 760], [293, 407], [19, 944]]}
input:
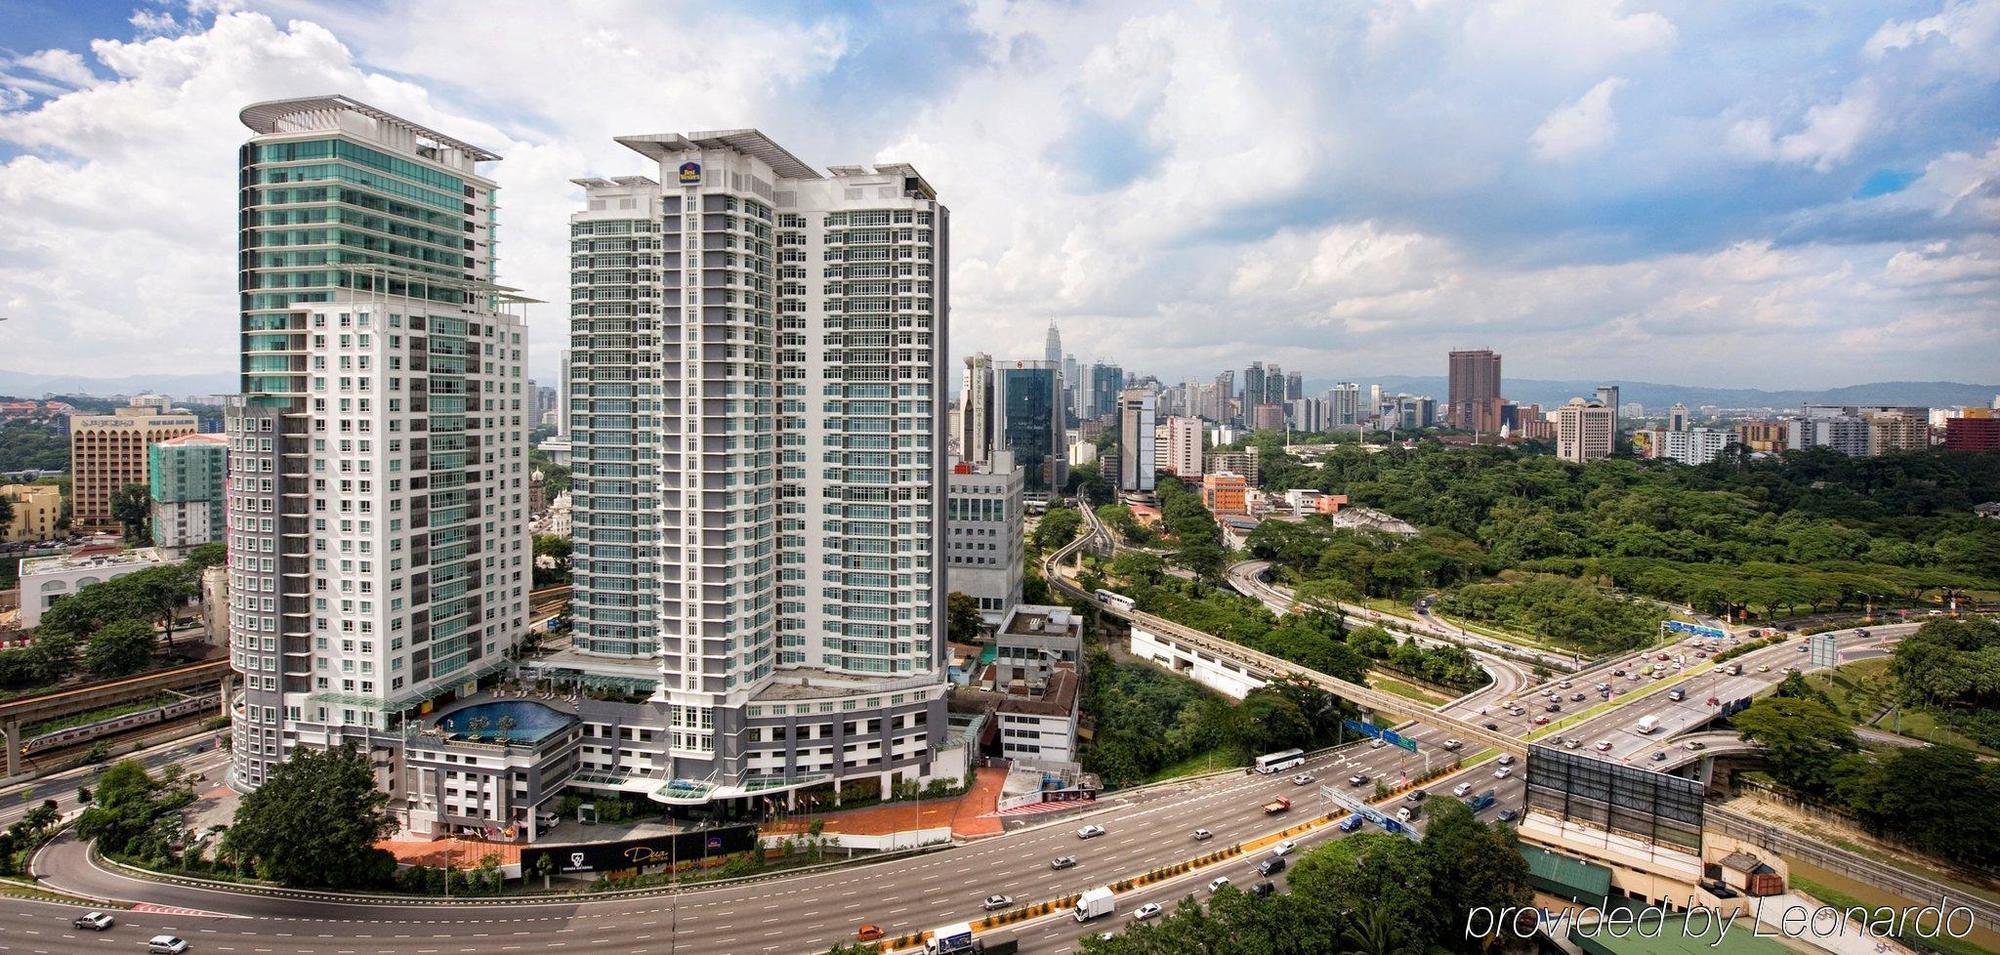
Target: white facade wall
{"points": [[983, 514], [1181, 441]]}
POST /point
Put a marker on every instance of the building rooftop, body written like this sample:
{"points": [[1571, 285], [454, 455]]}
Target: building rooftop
{"points": [[1057, 697], [272, 116], [1037, 620], [663, 146], [60, 562], [198, 438]]}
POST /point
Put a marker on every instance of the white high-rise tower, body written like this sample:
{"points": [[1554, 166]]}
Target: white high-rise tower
{"points": [[377, 521], [759, 466]]}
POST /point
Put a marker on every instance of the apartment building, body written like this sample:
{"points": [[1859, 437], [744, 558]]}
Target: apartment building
{"points": [[108, 452], [186, 481], [758, 474], [1180, 443], [376, 511]]}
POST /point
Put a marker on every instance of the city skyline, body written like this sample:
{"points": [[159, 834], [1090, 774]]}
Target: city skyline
{"points": [[1862, 243]]}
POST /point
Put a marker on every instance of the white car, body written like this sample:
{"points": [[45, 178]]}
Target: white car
{"points": [[1503, 772], [995, 903], [1284, 848], [1461, 789], [1604, 746], [1146, 911], [1302, 779], [1090, 832], [1377, 743], [1202, 835], [1216, 884], [94, 921], [166, 945]]}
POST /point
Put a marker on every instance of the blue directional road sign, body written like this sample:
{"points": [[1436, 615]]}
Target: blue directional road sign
{"points": [[1696, 630]]}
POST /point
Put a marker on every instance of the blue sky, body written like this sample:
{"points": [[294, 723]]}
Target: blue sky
{"points": [[1654, 191]]}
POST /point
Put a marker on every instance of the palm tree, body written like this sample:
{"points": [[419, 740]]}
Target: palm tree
{"points": [[1373, 932], [475, 726], [507, 724]]}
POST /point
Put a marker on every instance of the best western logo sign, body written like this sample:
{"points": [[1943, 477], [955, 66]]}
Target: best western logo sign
{"points": [[690, 174]]}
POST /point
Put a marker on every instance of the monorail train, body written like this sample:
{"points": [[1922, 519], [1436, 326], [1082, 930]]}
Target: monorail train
{"points": [[209, 702]]}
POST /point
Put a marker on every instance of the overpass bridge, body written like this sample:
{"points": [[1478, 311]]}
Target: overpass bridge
{"points": [[1273, 667], [83, 699]]}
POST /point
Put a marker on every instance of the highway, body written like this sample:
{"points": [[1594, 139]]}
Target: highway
{"points": [[810, 911], [794, 914]]}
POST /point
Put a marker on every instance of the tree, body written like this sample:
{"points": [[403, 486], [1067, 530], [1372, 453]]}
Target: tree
{"points": [[204, 556], [163, 591], [120, 648], [1473, 864], [1372, 870], [962, 619], [1057, 527], [553, 550], [6, 510], [132, 506], [1801, 738], [315, 821], [133, 810]]}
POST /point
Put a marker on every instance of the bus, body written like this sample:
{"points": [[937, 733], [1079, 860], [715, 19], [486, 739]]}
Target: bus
{"points": [[1278, 762], [1114, 599]]}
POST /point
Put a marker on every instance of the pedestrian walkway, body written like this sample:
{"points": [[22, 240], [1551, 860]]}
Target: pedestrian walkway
{"points": [[970, 816]]}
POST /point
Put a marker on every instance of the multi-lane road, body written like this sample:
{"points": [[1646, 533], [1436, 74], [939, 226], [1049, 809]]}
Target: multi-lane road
{"points": [[810, 911]]}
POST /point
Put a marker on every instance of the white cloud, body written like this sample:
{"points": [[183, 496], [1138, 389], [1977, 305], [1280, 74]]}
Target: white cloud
{"points": [[1965, 35], [1830, 133], [63, 66], [1343, 193], [1580, 128]]}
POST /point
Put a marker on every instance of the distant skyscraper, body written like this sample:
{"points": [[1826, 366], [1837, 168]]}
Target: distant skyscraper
{"points": [[1584, 430], [1607, 395], [1073, 388], [1344, 404], [1225, 394], [1137, 459], [1253, 388], [1106, 381], [1678, 417], [1180, 438], [1052, 351], [562, 395], [1027, 409], [1475, 388], [1295, 386], [975, 405]]}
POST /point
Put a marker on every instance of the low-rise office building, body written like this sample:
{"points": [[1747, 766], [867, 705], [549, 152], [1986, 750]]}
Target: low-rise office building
{"points": [[983, 534], [1034, 639], [37, 508], [44, 580]]}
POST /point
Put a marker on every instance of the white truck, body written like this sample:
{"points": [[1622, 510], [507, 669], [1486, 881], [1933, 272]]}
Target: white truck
{"points": [[950, 940], [1096, 902], [1647, 724]]}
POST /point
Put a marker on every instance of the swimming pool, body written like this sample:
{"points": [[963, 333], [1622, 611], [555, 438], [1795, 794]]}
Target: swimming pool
{"points": [[532, 722]]}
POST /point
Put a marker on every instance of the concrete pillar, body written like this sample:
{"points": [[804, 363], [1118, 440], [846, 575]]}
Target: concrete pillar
{"points": [[13, 734], [228, 691], [888, 786], [791, 800]]}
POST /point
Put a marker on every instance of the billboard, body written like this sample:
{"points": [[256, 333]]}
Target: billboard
{"points": [[644, 851], [1587, 790], [1823, 650]]}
